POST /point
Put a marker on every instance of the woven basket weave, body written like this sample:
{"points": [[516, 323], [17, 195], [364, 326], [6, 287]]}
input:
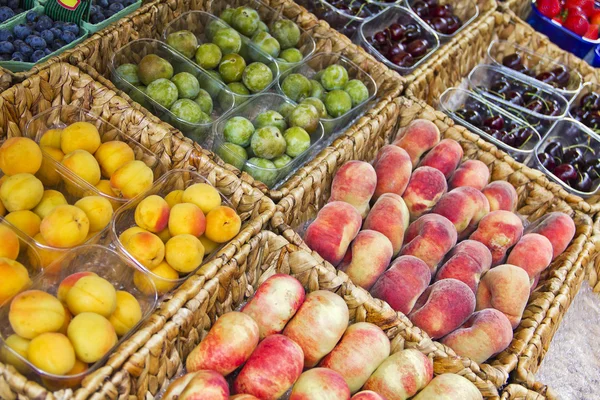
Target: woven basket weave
{"points": [[62, 83], [517, 392], [556, 288], [521, 8]]}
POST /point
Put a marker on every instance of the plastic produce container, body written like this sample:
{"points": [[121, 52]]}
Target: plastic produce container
{"points": [[401, 15], [27, 6], [17, 66], [222, 97], [250, 110], [466, 10], [93, 28], [124, 218], [318, 62], [453, 99], [59, 117], [588, 87], [106, 264], [536, 63], [561, 36], [571, 134]]}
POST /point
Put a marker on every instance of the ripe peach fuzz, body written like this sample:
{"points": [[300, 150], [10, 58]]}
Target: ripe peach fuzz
{"points": [[418, 137], [35, 312], [318, 325], [152, 214], [429, 238], [444, 157], [20, 346], [473, 173], [48, 173], [367, 395], [449, 387], [389, 216], [464, 207], [464, 268], [320, 384], [206, 385], [501, 195], [362, 349], [427, 185], [177, 386], [50, 199], [21, 192], [84, 165], [401, 375], [403, 283], [499, 231], [127, 313], [113, 155], [203, 195], [15, 278], [533, 253], [275, 302], [222, 224], [69, 282], [20, 155], [228, 344], [163, 277], [146, 248], [66, 226], [98, 210], [51, 138], [186, 218], [330, 234], [129, 232], [92, 336], [80, 136], [486, 333], [354, 183], [92, 294], [184, 253], [367, 258], [443, 307], [271, 369], [505, 288], [52, 353], [558, 228], [9, 243], [132, 179], [174, 197], [26, 221], [393, 168]]}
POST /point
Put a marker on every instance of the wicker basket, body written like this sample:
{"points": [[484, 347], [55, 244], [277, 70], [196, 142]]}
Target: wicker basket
{"points": [[517, 392], [557, 287], [65, 84], [521, 8]]}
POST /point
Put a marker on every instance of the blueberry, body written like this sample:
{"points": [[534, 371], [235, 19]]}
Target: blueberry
{"points": [[47, 35], [16, 56], [14, 4], [6, 35], [44, 22], [68, 37], [116, 7], [24, 49], [108, 14], [6, 13], [18, 10], [56, 32], [37, 43], [47, 51], [103, 3], [127, 3], [37, 55], [32, 16], [93, 9], [5, 57], [6, 47], [97, 18], [18, 42], [71, 27], [21, 31]]}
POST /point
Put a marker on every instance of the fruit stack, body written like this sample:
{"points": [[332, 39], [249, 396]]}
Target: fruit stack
{"points": [[18, 263], [101, 10], [282, 331], [586, 107], [453, 240], [446, 18], [9, 9], [578, 16]]}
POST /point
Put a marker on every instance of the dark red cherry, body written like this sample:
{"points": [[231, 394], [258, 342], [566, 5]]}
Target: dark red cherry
{"points": [[380, 38], [417, 48], [582, 182], [547, 161], [403, 59], [421, 8], [514, 97], [554, 149], [562, 76], [440, 24], [512, 61], [396, 31], [495, 122], [453, 24], [565, 172], [573, 156]]}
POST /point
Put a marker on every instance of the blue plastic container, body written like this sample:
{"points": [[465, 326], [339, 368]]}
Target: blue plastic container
{"points": [[559, 35]]}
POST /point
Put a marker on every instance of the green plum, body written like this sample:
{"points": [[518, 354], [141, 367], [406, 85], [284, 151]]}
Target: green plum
{"points": [[292, 55], [268, 142], [338, 103], [233, 154], [297, 141], [189, 111], [270, 118], [245, 20], [226, 15], [129, 73], [286, 32], [257, 77], [204, 101], [262, 170], [357, 91], [318, 104], [187, 85], [262, 27], [334, 77], [317, 90], [212, 28], [305, 116], [266, 43], [210, 83], [238, 130], [153, 67], [282, 161], [228, 40], [138, 96], [285, 109], [162, 91], [232, 68], [296, 87], [208, 55], [240, 92], [184, 42]]}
